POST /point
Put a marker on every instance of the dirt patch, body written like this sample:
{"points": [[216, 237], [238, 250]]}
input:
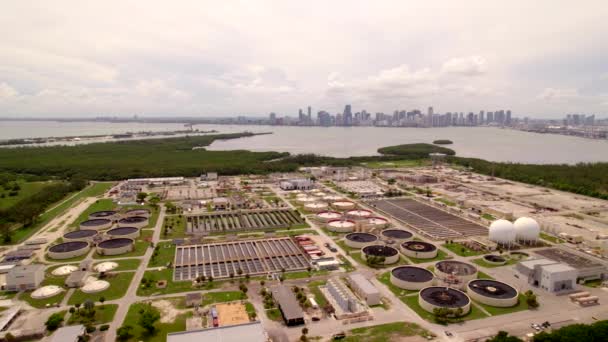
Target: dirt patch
{"points": [[168, 312]]}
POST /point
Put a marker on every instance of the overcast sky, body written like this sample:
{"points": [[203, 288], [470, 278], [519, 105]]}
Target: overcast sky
{"points": [[537, 58]]}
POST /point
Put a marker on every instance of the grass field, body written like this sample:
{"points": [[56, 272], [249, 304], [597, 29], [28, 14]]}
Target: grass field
{"points": [[494, 311], [172, 287], [481, 275], [162, 329], [177, 224], [550, 238], [118, 287], [303, 274], [42, 303], [103, 314], [386, 332], [461, 250], [27, 189], [313, 287], [166, 254], [222, 297], [396, 163], [274, 314]]}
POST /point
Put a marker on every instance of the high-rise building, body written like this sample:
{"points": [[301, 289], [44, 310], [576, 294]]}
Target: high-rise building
{"points": [[429, 116], [348, 116]]}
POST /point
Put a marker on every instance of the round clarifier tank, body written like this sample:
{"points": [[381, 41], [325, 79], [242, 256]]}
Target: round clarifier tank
{"points": [[390, 254], [397, 235], [359, 240], [133, 221], [315, 207], [107, 214], [419, 249], [343, 205], [326, 216], [411, 277], [455, 272], [358, 214], [67, 250], [125, 232], [436, 297], [138, 212], [80, 235], [47, 291], [494, 259], [97, 224], [493, 293], [115, 246], [341, 226]]}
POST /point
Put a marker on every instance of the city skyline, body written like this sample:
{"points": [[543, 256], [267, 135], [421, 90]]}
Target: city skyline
{"points": [[218, 60]]}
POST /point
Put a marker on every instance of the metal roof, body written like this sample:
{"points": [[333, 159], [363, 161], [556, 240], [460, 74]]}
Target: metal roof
{"points": [[362, 283], [250, 332], [287, 301], [68, 334]]}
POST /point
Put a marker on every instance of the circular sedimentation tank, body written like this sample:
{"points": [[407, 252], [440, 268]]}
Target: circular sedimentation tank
{"points": [[397, 234], [67, 250], [105, 266], [64, 270], [343, 205], [97, 224], [376, 222], [94, 285], [115, 246], [326, 216], [333, 198], [104, 214], [138, 212], [305, 200], [358, 214], [133, 221], [341, 226], [390, 254], [411, 277], [493, 293], [315, 206], [126, 232], [419, 249], [436, 297], [80, 235], [494, 259], [47, 291], [359, 240], [455, 272]]}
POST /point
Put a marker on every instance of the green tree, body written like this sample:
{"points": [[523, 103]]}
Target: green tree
{"points": [[148, 318], [54, 321], [141, 196], [124, 332], [503, 336]]}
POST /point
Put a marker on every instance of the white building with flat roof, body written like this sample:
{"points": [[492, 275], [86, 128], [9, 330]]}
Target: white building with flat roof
{"points": [[250, 332], [364, 289], [26, 277], [558, 278]]}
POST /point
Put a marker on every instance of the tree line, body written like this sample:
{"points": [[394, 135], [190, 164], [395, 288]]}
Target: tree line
{"points": [[596, 332]]}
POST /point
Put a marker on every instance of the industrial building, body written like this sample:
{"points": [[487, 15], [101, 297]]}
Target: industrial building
{"points": [[250, 332], [26, 277], [288, 305], [549, 275], [242, 220], [364, 289], [588, 267], [297, 184], [71, 333]]}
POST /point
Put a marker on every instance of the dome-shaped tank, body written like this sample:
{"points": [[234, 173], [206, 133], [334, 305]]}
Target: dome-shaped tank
{"points": [[502, 231], [526, 229]]}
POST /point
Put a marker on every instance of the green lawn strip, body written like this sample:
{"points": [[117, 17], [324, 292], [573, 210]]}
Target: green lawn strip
{"points": [[313, 287], [396, 163], [249, 308], [446, 202], [550, 238], [174, 227], [481, 275], [303, 274], [441, 255], [594, 283], [99, 205], [481, 262], [103, 314], [139, 249], [296, 231], [488, 217], [172, 286], [119, 283], [162, 329], [386, 332], [124, 264], [494, 311], [7, 295], [346, 264], [222, 297], [461, 250], [412, 302], [385, 278], [23, 233], [165, 254], [274, 314], [346, 248]]}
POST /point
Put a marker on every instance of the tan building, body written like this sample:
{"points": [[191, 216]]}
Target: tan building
{"points": [[26, 277]]}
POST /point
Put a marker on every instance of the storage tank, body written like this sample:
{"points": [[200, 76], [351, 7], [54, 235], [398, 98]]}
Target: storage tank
{"points": [[411, 277], [436, 297], [493, 293], [390, 254], [526, 229], [359, 240], [502, 232]]}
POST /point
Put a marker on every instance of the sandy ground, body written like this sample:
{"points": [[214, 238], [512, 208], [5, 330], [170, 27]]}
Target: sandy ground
{"points": [[168, 312]]}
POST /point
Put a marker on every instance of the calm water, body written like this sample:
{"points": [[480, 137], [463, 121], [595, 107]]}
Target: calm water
{"points": [[480, 142]]}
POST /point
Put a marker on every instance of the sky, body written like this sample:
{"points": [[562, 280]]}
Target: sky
{"points": [[538, 58]]}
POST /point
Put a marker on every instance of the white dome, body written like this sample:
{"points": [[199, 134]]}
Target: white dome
{"points": [[502, 231], [526, 229]]}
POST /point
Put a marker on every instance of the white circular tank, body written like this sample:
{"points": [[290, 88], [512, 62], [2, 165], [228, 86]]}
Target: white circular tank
{"points": [[343, 205], [333, 198], [47, 291], [526, 229], [64, 270], [326, 216], [341, 226], [315, 206], [94, 285], [502, 231], [306, 199], [105, 266]]}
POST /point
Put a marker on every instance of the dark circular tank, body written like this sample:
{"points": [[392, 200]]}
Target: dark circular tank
{"points": [[454, 267], [361, 237], [494, 258], [138, 212], [69, 246], [95, 223], [492, 288], [380, 250], [80, 234], [398, 234], [412, 274], [132, 219], [102, 214], [444, 297], [120, 231], [418, 246], [115, 243]]}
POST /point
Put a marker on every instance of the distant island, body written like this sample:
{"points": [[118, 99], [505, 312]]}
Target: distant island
{"points": [[414, 151], [443, 142]]}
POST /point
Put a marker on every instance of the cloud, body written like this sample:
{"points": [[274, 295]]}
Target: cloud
{"points": [[7, 92], [465, 66], [558, 94]]}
